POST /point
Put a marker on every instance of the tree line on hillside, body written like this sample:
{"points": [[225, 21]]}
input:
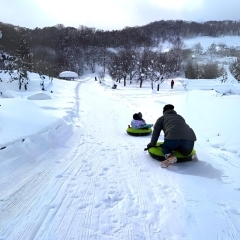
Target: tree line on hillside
{"points": [[133, 52]]}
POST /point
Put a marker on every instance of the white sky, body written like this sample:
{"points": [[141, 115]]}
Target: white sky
{"points": [[113, 14]]}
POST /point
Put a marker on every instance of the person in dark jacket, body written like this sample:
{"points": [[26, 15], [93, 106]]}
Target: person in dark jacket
{"points": [[172, 84], [178, 136]]}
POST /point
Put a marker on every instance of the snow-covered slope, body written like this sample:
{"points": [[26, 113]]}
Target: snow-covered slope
{"points": [[88, 179]]}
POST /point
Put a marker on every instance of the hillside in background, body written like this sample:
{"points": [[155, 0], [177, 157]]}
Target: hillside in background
{"points": [[189, 48]]}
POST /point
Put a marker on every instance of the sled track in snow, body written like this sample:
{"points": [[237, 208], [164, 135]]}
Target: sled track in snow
{"points": [[74, 192]]}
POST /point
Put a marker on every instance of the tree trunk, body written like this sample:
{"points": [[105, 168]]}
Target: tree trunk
{"points": [[124, 79], [141, 82]]}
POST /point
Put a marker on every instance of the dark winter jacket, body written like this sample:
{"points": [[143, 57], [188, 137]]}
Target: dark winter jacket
{"points": [[174, 127]]}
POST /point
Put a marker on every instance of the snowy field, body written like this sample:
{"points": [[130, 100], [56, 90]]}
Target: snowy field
{"points": [[205, 41], [69, 170]]}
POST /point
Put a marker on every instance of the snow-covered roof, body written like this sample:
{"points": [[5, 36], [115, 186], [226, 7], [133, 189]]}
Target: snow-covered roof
{"points": [[68, 74]]}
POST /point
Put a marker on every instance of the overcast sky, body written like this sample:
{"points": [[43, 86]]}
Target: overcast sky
{"points": [[113, 14]]}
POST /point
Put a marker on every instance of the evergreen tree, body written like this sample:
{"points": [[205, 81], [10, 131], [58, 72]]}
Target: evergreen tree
{"points": [[24, 62]]}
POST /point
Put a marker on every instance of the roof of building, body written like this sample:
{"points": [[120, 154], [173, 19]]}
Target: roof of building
{"points": [[69, 74]]}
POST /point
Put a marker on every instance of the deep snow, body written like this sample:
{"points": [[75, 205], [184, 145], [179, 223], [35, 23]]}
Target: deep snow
{"points": [[79, 175]]}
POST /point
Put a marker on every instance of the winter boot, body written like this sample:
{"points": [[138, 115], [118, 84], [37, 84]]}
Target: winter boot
{"points": [[170, 158]]}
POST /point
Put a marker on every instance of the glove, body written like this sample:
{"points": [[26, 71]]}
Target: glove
{"points": [[150, 145]]}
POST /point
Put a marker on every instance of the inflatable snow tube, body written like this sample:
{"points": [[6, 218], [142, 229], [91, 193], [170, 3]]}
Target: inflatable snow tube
{"points": [[156, 153], [138, 132]]}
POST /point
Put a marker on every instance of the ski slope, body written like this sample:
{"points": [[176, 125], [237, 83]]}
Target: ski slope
{"points": [[85, 178]]}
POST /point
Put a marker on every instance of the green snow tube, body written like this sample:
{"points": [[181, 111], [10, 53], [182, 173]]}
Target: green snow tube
{"points": [[138, 132], [156, 153]]}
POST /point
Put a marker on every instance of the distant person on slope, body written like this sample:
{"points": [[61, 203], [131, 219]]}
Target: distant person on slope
{"points": [[172, 84], [139, 123], [178, 136]]}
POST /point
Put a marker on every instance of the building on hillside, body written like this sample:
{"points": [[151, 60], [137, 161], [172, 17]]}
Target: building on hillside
{"points": [[68, 75]]}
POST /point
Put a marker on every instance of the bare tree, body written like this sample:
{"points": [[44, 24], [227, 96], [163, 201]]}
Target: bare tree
{"points": [[127, 62], [235, 69], [198, 49], [212, 50], [176, 53]]}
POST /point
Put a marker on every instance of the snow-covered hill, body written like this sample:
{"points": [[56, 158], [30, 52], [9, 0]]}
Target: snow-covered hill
{"points": [[79, 175]]}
